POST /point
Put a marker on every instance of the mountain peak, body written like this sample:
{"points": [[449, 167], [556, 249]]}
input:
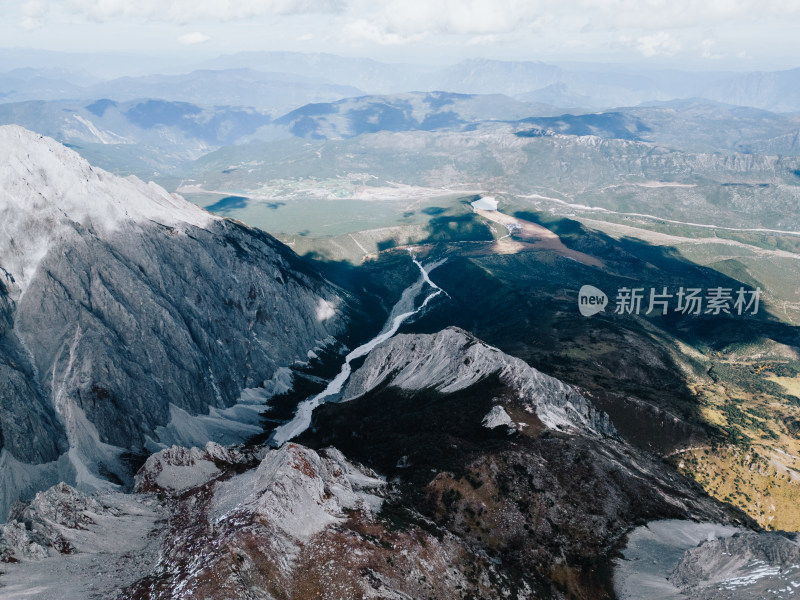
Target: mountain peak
{"points": [[46, 189]]}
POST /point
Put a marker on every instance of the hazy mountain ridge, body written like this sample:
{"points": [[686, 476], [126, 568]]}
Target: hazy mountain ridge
{"points": [[694, 125], [574, 84], [237, 87], [250, 78], [162, 127], [405, 112]]}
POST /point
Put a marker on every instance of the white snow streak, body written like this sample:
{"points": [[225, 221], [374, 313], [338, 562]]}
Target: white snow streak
{"points": [[302, 417]]}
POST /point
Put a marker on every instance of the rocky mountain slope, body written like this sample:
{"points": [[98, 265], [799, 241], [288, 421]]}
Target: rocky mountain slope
{"points": [[522, 467], [466, 487], [242, 523], [453, 360], [124, 309], [743, 566], [683, 560]]}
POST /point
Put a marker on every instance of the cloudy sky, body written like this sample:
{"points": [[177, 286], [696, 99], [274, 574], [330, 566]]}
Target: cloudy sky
{"points": [[725, 34]]}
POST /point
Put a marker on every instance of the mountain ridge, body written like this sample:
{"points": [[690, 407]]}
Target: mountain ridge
{"points": [[120, 302]]}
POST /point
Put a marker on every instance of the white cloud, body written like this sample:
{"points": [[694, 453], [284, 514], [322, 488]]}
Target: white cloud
{"points": [[649, 28], [364, 30], [472, 17], [658, 44], [706, 50], [181, 11], [325, 310], [646, 22], [391, 22], [482, 40], [190, 39], [667, 14], [34, 13], [414, 17]]}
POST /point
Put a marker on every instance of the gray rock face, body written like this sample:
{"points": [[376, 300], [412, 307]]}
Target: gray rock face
{"points": [[192, 319], [118, 300], [706, 560], [452, 360], [65, 544], [36, 530], [747, 565]]}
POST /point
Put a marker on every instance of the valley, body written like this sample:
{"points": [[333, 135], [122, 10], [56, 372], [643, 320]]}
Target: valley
{"points": [[308, 334]]}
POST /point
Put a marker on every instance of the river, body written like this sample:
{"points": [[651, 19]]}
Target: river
{"points": [[400, 313]]}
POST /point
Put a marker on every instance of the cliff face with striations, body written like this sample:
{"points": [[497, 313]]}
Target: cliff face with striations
{"points": [[122, 306]]}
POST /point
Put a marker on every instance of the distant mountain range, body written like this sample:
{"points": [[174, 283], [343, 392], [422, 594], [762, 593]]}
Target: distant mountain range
{"points": [[693, 124], [179, 127], [154, 138], [405, 112], [587, 85], [289, 80], [229, 87]]}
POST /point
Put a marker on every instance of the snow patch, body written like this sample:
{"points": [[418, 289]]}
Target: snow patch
{"points": [[497, 417], [225, 426], [485, 203], [325, 310], [232, 425], [46, 188], [178, 468], [298, 490], [182, 477]]}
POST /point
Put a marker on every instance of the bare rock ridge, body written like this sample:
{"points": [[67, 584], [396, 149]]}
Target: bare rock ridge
{"points": [[526, 485], [242, 521], [453, 360], [120, 302]]}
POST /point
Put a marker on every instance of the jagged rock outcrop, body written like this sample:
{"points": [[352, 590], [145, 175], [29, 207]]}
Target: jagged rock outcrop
{"points": [[265, 510], [746, 565], [453, 360], [687, 560], [497, 417], [119, 303], [38, 530]]}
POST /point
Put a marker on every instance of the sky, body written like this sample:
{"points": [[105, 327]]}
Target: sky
{"points": [[709, 34]]}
